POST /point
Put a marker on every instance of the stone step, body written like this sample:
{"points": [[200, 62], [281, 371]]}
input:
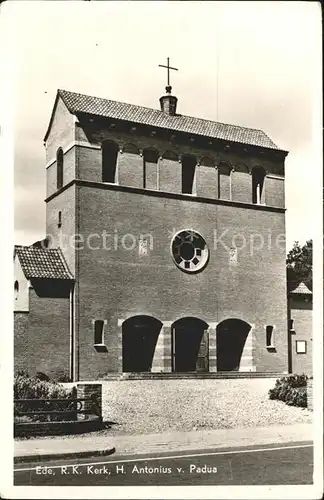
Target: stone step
{"points": [[192, 375]]}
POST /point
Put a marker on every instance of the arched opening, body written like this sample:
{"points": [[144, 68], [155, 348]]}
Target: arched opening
{"points": [[189, 163], [131, 148], [206, 161], [59, 168], [231, 337], [109, 161], [140, 335], [190, 345], [258, 175], [16, 289], [150, 174], [170, 155]]}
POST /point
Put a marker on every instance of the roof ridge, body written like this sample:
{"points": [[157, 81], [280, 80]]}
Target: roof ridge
{"points": [[32, 247], [158, 110], [302, 285]]}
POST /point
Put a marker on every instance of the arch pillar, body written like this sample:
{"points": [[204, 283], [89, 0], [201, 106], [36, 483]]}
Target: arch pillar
{"points": [[167, 346], [158, 359], [212, 347], [119, 154], [120, 322], [247, 359]]}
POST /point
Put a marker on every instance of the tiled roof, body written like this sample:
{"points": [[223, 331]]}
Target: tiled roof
{"points": [[80, 103], [302, 289], [43, 263]]}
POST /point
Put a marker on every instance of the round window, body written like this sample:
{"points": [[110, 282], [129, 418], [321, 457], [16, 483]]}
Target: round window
{"points": [[189, 251]]}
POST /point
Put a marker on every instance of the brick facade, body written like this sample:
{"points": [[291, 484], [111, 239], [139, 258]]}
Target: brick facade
{"points": [[245, 278], [42, 341]]}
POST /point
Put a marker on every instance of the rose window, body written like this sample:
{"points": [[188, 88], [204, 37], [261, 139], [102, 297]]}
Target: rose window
{"points": [[189, 251]]}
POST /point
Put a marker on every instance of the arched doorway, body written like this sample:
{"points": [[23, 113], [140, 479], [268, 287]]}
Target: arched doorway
{"points": [[231, 337], [190, 345], [140, 335]]}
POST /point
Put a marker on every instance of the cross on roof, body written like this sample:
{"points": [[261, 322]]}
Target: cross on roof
{"points": [[168, 67]]}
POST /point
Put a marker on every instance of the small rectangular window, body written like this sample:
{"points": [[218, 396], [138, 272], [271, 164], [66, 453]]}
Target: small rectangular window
{"points": [[98, 332], [301, 346], [59, 219], [269, 336]]}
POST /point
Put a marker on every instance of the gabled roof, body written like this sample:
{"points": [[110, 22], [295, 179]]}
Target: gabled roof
{"points": [[301, 289], [80, 103], [43, 263]]}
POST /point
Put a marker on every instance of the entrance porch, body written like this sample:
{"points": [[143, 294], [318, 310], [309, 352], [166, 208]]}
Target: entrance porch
{"points": [[186, 346]]}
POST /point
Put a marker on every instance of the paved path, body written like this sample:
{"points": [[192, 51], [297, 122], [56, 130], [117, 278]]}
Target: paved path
{"points": [[164, 442]]}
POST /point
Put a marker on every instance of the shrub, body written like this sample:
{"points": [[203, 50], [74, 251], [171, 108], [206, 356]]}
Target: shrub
{"points": [[42, 376], [61, 376], [292, 390], [34, 388], [22, 373]]}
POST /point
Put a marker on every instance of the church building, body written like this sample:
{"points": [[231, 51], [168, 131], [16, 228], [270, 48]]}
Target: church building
{"points": [[164, 248]]}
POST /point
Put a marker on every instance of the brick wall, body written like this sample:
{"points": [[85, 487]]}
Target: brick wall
{"points": [[170, 175], [69, 173], [60, 236], [236, 186], [89, 164], [275, 192], [117, 283], [62, 131], [42, 335], [207, 182], [130, 168], [241, 184]]}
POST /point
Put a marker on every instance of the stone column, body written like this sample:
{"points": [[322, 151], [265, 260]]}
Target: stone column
{"points": [[158, 168], [247, 361], [167, 347], [158, 359], [120, 152], [212, 349], [120, 345], [92, 392]]}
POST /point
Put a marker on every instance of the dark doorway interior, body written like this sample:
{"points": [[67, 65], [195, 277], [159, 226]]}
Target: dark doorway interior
{"points": [[190, 345], [231, 337], [140, 335]]}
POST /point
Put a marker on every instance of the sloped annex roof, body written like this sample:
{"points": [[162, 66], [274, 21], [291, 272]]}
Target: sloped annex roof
{"points": [[301, 289], [43, 263], [80, 103]]}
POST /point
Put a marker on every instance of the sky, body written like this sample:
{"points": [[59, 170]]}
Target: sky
{"points": [[254, 64]]}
